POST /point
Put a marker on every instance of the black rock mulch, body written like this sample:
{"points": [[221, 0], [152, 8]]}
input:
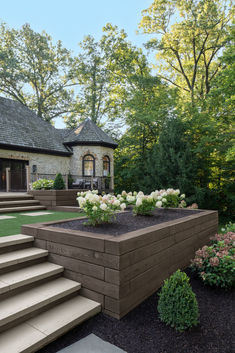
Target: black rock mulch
{"points": [[125, 222], [141, 331]]}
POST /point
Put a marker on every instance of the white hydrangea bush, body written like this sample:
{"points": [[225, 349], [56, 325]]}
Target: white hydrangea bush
{"points": [[145, 204], [129, 198], [99, 209]]}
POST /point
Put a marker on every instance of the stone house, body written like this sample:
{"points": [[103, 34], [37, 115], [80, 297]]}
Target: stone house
{"points": [[85, 152]]}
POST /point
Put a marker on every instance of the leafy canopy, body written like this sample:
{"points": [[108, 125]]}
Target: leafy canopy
{"points": [[187, 49], [36, 72]]}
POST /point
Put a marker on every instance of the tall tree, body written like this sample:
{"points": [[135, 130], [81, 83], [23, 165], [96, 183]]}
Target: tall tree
{"points": [[188, 48], [94, 99], [36, 72]]}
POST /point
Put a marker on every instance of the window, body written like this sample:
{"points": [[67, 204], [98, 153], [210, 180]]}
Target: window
{"points": [[106, 166], [88, 165]]}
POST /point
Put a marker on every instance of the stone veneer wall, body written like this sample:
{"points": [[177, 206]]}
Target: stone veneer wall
{"points": [[46, 163], [51, 164], [97, 151], [120, 272]]}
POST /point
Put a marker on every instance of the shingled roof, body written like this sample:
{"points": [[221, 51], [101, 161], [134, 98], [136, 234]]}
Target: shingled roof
{"points": [[88, 133], [21, 129]]}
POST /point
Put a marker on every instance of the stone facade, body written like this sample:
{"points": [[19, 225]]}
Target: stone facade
{"points": [[46, 164], [52, 164], [98, 152]]}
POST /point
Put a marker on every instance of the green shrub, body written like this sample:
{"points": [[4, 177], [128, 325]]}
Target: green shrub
{"points": [[215, 263], [177, 304], [43, 184], [59, 182]]}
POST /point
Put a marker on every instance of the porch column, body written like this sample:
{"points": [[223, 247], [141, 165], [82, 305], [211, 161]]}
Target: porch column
{"points": [[66, 182], [28, 177], [8, 179]]}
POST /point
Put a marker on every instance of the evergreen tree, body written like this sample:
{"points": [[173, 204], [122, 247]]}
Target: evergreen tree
{"points": [[171, 161], [59, 182]]}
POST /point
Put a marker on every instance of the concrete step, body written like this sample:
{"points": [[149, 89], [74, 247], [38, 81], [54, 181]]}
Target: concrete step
{"points": [[15, 197], [21, 209], [20, 256], [28, 275], [18, 203], [44, 328], [23, 305], [15, 240]]}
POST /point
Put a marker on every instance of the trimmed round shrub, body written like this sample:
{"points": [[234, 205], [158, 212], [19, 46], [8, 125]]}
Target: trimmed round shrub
{"points": [[59, 182], [177, 304]]}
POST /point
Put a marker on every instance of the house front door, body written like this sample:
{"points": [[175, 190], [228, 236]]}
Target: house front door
{"points": [[17, 175]]}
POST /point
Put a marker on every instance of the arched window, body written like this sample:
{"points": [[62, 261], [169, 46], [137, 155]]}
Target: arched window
{"points": [[88, 165], [106, 165]]}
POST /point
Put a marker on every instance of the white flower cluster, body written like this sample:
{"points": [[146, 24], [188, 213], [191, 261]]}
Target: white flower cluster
{"points": [[97, 202], [129, 198], [161, 197]]}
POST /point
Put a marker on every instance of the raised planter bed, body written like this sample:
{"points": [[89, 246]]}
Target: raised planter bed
{"points": [[54, 198], [122, 270]]}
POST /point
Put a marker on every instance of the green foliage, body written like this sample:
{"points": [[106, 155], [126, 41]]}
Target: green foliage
{"points": [[177, 303], [94, 99], [187, 50], [229, 227], [145, 208], [215, 264], [171, 162], [59, 182], [43, 184], [36, 72]]}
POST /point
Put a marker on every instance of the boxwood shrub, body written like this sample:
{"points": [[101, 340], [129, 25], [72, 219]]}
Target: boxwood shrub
{"points": [[177, 303]]}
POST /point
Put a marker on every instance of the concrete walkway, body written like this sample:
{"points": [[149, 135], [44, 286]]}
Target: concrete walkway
{"points": [[92, 344]]}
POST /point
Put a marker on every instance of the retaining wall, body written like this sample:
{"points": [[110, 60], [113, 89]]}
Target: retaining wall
{"points": [[120, 272], [53, 198]]}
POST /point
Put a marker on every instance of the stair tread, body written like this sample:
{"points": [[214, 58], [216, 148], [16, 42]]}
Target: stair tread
{"points": [[44, 328], [15, 239], [19, 256], [35, 298], [30, 274], [19, 209], [16, 202], [15, 196]]}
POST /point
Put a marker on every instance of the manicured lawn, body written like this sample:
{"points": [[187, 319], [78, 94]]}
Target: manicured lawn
{"points": [[13, 225]]}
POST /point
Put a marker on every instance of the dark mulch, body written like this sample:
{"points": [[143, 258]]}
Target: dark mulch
{"points": [[141, 331], [125, 222]]}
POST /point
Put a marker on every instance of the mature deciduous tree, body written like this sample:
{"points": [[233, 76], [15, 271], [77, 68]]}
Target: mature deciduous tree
{"points": [[188, 48], [94, 99], [35, 72]]}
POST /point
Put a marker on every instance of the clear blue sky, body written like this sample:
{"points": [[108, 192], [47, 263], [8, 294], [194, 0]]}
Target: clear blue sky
{"points": [[71, 20]]}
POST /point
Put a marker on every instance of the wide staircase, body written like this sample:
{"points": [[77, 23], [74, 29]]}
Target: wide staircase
{"points": [[18, 202], [37, 304]]}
